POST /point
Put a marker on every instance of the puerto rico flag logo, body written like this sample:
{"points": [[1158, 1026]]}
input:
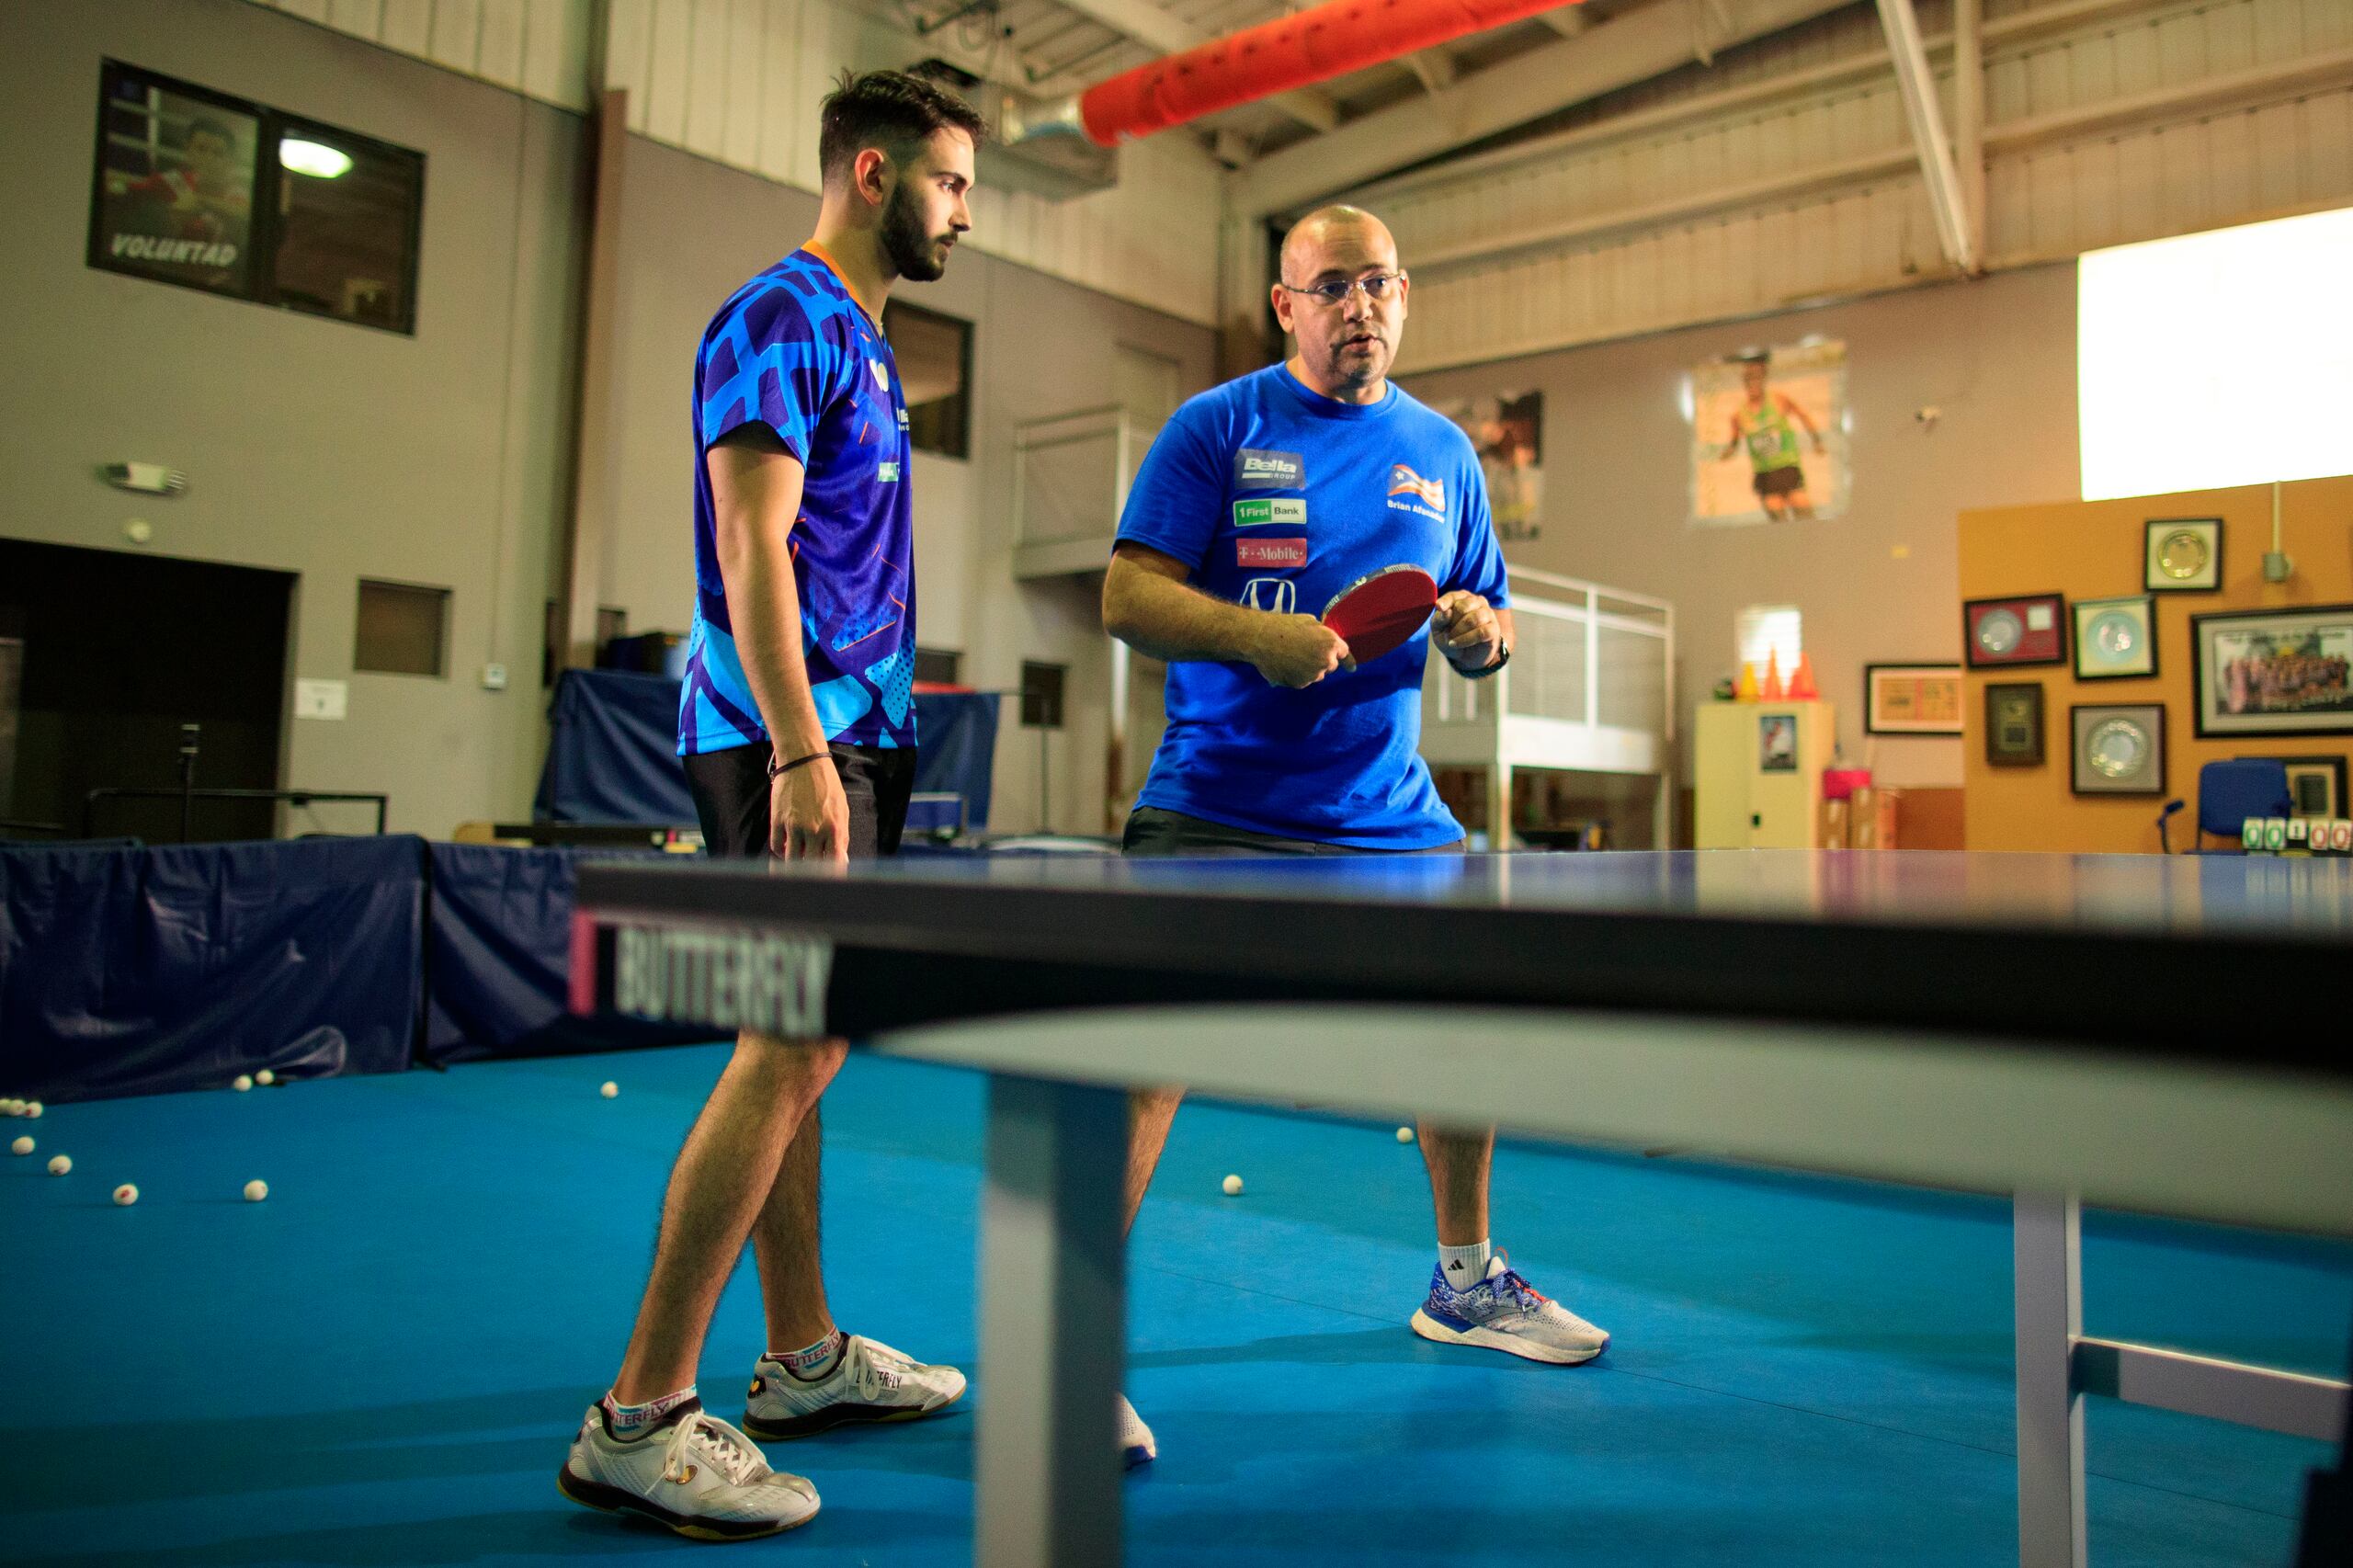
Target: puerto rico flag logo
{"points": [[1404, 481]]}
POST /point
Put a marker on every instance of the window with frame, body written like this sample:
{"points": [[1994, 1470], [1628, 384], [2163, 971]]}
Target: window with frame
{"points": [[935, 358], [208, 191]]}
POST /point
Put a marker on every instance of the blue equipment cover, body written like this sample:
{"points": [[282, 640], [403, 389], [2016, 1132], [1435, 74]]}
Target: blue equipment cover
{"points": [[131, 971], [498, 959], [613, 741]]}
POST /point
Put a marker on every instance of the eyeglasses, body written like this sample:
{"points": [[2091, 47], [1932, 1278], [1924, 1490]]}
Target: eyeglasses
{"points": [[1377, 287]]}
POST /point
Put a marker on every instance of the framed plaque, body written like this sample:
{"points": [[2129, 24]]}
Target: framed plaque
{"points": [[2119, 750], [2316, 786], [2273, 672], [2182, 555], [2029, 630], [2014, 723], [2116, 639], [1911, 700], [1777, 743]]}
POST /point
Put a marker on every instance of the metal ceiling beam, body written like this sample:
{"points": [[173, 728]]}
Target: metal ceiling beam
{"points": [[1609, 55], [1432, 68], [1918, 85]]}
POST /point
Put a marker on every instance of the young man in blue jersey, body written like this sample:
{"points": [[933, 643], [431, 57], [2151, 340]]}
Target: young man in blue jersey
{"points": [[797, 728], [1260, 501]]}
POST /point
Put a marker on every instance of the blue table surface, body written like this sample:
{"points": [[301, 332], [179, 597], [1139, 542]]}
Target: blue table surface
{"points": [[2304, 900]]}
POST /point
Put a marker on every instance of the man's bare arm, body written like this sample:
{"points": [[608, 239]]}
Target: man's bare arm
{"points": [[1149, 604], [756, 496]]}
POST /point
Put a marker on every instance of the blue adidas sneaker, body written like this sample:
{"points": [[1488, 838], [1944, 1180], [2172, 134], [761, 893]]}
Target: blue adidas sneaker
{"points": [[1504, 1313]]}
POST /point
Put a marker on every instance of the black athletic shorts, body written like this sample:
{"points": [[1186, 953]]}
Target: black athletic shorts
{"points": [[1780, 482], [731, 791], [1152, 831]]}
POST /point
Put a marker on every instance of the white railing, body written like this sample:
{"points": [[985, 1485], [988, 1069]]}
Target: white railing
{"points": [[1588, 691]]}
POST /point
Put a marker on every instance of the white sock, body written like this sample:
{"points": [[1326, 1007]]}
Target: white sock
{"points": [[1464, 1266], [812, 1362], [630, 1422]]}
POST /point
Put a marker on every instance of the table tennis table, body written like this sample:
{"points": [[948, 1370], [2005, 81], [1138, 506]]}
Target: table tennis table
{"points": [[2151, 1033]]}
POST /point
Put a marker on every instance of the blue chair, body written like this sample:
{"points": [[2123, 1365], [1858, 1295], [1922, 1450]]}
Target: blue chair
{"points": [[2229, 793]]}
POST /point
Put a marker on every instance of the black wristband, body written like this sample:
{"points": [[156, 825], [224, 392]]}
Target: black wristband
{"points": [[776, 769], [1484, 671]]}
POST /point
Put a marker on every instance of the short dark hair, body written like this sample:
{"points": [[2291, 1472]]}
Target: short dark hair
{"points": [[890, 110]]}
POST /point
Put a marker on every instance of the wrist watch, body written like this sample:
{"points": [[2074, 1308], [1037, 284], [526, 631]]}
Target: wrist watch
{"points": [[1503, 657]]}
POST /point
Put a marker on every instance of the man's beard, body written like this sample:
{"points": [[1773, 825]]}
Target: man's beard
{"points": [[912, 251]]}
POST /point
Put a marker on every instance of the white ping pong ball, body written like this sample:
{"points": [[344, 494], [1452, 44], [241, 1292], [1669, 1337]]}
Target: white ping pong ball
{"points": [[32, 1107], [243, 1082], [609, 1089], [126, 1194], [1404, 1135], [264, 1077], [21, 1146], [255, 1191], [1233, 1187], [59, 1165]]}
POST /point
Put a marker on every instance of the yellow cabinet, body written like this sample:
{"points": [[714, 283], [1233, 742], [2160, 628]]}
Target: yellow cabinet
{"points": [[1756, 773]]}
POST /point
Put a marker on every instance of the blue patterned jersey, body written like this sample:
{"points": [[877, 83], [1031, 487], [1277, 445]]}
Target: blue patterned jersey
{"points": [[793, 350]]}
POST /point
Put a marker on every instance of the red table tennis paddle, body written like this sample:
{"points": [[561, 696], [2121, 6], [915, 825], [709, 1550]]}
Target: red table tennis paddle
{"points": [[1376, 614]]}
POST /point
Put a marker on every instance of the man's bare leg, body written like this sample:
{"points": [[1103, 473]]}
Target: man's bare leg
{"points": [[785, 1240], [1459, 1162], [1149, 1113], [723, 1178]]}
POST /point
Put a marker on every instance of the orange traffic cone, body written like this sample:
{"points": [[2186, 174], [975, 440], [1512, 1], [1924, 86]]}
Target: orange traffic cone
{"points": [[1802, 686], [1772, 688]]}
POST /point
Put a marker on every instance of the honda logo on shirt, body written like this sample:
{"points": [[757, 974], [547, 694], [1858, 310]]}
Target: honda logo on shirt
{"points": [[1275, 595]]}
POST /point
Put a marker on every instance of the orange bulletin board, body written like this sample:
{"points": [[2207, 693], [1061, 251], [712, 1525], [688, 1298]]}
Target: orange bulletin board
{"points": [[2088, 550]]}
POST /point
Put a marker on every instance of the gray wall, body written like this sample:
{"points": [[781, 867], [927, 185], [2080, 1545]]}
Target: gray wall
{"points": [[1878, 585], [339, 452], [696, 230], [313, 446]]}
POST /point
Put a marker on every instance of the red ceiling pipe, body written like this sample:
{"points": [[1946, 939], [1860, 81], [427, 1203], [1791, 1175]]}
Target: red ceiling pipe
{"points": [[1315, 45]]}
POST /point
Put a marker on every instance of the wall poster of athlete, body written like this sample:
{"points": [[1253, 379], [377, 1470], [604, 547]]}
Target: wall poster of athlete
{"points": [[1768, 439], [1509, 431], [175, 179]]}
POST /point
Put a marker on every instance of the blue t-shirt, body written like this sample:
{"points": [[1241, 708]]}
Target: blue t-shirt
{"points": [[793, 350], [1278, 499]]}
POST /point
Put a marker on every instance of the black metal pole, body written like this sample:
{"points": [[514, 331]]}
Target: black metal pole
{"points": [[188, 734]]}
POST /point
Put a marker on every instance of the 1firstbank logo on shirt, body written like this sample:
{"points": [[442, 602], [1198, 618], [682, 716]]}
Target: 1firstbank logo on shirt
{"points": [[1259, 514]]}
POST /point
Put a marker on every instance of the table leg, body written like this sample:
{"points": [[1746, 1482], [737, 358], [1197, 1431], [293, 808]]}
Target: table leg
{"points": [[1053, 1326], [2045, 1253]]}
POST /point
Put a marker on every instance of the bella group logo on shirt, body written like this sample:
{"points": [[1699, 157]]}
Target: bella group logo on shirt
{"points": [[1259, 514], [1404, 481], [1255, 469]]}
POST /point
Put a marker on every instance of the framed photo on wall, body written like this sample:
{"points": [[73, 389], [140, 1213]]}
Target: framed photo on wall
{"points": [[2116, 639], [2014, 723], [2316, 786], [2182, 555], [2026, 628], [1911, 700], [1777, 743], [2273, 672], [2119, 750]]}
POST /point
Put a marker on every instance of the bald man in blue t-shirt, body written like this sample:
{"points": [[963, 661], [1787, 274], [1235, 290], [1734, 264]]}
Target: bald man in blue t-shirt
{"points": [[1260, 501]]}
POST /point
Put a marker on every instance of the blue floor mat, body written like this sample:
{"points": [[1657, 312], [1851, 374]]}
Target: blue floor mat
{"points": [[381, 1363]]}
